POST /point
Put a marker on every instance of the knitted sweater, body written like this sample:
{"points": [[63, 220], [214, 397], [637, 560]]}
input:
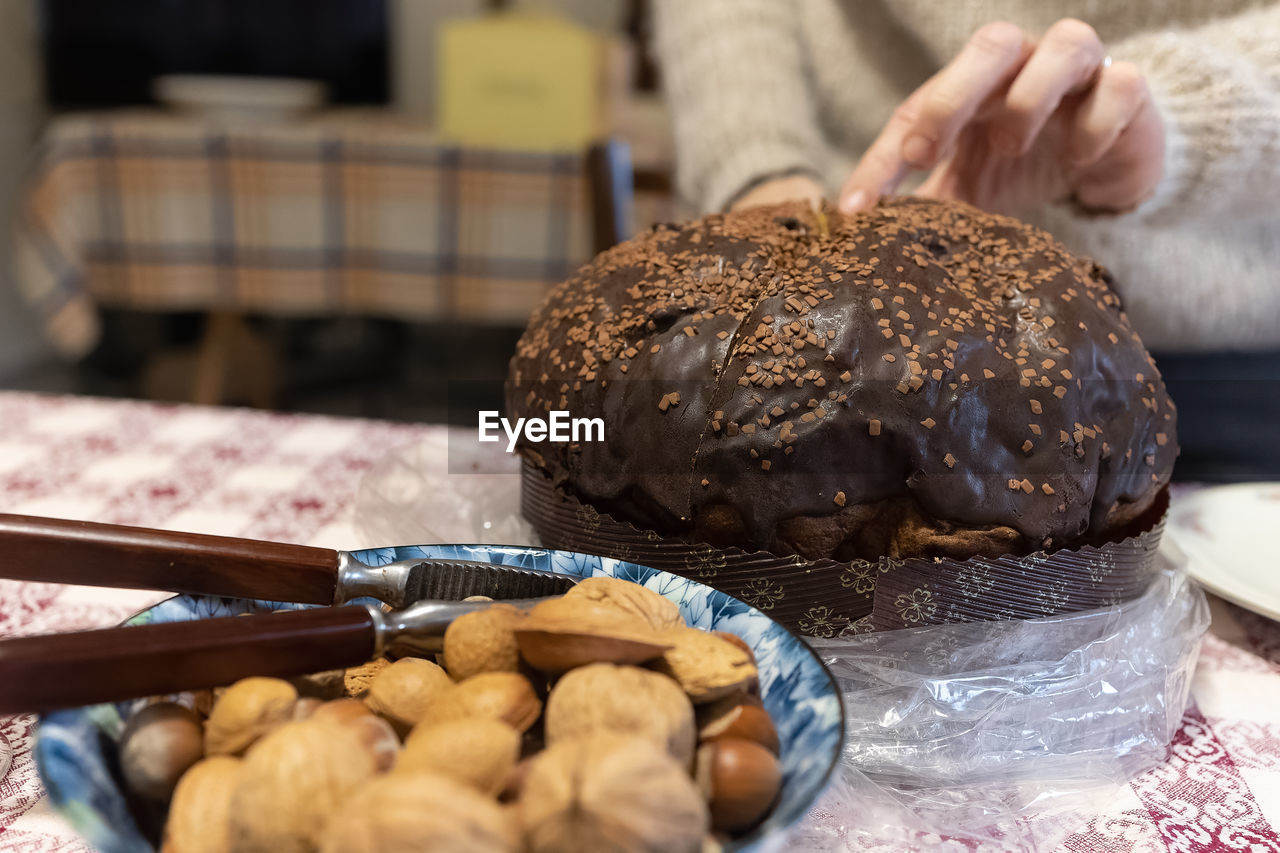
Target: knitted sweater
{"points": [[768, 87]]}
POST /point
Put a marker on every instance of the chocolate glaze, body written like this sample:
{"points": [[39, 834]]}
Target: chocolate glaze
{"points": [[961, 368]]}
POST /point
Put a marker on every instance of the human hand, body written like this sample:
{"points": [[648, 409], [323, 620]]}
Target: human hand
{"points": [[778, 190], [1013, 123]]}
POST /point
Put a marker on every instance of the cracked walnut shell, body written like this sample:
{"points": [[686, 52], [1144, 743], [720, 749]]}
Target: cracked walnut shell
{"points": [[356, 679], [562, 633], [706, 666]]}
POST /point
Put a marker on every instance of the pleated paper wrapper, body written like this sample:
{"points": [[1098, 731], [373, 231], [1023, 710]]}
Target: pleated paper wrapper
{"points": [[831, 598]]}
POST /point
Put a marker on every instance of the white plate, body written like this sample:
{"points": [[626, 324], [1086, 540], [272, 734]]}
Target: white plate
{"points": [[1228, 535], [234, 97]]}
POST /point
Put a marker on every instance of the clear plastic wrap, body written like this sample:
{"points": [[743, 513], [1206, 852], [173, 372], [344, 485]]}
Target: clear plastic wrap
{"points": [[999, 735], [1008, 733], [441, 489]]}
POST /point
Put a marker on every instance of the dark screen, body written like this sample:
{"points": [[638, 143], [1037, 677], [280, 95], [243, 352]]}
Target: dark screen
{"points": [[101, 53]]}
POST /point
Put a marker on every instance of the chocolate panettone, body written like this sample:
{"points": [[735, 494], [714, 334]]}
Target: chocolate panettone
{"points": [[920, 379]]}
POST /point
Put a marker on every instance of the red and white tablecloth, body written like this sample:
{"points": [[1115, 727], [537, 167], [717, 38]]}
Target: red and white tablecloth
{"points": [[294, 478]]}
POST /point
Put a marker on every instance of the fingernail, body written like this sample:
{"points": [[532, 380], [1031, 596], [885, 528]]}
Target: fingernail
{"points": [[918, 151], [1004, 142], [853, 202]]}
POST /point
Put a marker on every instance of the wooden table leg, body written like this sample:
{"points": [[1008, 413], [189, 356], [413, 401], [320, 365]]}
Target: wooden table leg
{"points": [[214, 358], [232, 364]]}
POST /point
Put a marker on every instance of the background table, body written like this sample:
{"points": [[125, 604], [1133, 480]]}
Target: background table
{"points": [[352, 212], [291, 478]]}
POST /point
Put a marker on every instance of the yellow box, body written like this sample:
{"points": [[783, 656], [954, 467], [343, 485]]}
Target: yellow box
{"points": [[522, 81]]}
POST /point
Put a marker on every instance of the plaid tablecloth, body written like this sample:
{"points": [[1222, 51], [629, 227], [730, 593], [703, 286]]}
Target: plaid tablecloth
{"points": [[291, 478], [349, 213]]}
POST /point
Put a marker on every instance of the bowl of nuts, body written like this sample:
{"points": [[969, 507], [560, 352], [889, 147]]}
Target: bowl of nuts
{"points": [[640, 711]]}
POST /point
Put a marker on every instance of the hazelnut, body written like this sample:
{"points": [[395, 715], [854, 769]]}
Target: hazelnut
{"points": [[245, 712], [505, 696], [157, 746], [661, 613], [740, 779], [706, 666], [330, 684], [483, 641], [291, 781], [610, 792], [738, 715], [561, 633], [478, 751], [622, 699], [356, 680], [401, 692], [200, 812], [375, 733], [412, 812]]}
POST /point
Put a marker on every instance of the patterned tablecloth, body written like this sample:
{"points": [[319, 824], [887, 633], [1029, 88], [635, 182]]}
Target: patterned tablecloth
{"points": [[293, 478], [351, 212]]}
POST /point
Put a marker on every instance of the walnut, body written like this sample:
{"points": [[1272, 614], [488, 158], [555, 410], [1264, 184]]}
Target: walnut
{"points": [[291, 781], [483, 641], [375, 733], [157, 746], [200, 811], [401, 693], [626, 700], [478, 751], [661, 613], [356, 679], [562, 633], [246, 711], [610, 792], [410, 812], [706, 666], [505, 696]]}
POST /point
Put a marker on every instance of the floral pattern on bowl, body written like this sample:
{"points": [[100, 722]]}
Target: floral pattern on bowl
{"points": [[75, 749]]}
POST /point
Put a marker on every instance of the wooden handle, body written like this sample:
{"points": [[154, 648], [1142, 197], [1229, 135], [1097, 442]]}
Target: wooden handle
{"points": [[55, 550], [66, 670]]}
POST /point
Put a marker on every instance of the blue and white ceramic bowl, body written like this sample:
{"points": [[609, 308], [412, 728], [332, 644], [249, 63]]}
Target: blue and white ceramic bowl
{"points": [[76, 750]]}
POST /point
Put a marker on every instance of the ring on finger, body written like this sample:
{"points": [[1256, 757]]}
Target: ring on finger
{"points": [[1097, 72]]}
